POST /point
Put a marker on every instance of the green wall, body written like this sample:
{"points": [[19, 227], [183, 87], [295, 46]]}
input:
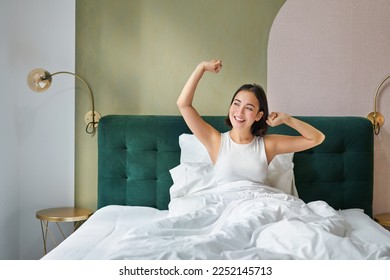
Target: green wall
{"points": [[137, 54]]}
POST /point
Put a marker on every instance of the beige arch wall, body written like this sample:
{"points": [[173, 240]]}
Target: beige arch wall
{"points": [[327, 58]]}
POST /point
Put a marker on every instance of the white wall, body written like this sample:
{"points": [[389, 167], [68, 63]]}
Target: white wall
{"points": [[37, 131], [327, 57], [9, 212]]}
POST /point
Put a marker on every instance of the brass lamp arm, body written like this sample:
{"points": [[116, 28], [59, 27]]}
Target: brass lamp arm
{"points": [[375, 117], [39, 80], [377, 91], [93, 122]]}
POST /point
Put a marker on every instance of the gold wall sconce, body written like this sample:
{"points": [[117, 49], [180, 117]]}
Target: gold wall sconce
{"points": [[39, 80], [375, 117]]}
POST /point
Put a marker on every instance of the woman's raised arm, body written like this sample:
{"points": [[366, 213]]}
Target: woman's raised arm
{"points": [[279, 144], [206, 134]]}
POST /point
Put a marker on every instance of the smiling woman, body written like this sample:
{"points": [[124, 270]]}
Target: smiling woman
{"points": [[255, 102], [249, 120]]}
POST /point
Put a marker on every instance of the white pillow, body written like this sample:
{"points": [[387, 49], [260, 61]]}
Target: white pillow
{"points": [[280, 170], [190, 177], [192, 150], [281, 174]]}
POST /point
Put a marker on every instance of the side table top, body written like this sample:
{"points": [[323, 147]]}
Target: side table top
{"points": [[383, 219], [64, 214]]}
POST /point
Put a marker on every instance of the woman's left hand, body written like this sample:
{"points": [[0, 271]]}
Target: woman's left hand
{"points": [[276, 118]]}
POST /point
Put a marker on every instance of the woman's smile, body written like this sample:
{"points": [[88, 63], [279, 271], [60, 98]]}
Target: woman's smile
{"points": [[239, 119]]}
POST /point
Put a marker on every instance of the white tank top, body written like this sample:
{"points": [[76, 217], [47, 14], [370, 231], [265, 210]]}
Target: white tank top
{"points": [[241, 161]]}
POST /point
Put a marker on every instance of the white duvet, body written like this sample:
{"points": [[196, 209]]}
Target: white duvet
{"points": [[245, 221]]}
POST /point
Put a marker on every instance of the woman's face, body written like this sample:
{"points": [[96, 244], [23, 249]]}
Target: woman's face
{"points": [[244, 110]]}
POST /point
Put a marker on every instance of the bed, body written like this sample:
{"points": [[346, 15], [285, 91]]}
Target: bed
{"points": [[157, 198]]}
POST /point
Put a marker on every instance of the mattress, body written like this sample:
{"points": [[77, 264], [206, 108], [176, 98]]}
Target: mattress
{"points": [[97, 236]]}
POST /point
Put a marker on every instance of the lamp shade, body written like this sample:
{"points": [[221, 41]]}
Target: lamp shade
{"points": [[39, 80]]}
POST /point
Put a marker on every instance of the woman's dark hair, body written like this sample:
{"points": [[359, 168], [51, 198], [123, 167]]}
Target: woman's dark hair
{"points": [[259, 128]]}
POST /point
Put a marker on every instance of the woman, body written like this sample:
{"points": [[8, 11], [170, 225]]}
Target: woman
{"points": [[245, 151]]}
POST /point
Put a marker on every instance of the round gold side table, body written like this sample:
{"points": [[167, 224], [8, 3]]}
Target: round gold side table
{"points": [[383, 219], [60, 215]]}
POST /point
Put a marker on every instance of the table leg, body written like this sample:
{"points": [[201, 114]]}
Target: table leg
{"points": [[46, 232]]}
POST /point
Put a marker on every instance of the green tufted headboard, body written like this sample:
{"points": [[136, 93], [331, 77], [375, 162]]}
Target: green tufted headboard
{"points": [[135, 154]]}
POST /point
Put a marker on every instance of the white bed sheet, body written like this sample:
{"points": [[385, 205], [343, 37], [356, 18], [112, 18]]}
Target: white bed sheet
{"points": [[106, 226], [95, 238]]}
